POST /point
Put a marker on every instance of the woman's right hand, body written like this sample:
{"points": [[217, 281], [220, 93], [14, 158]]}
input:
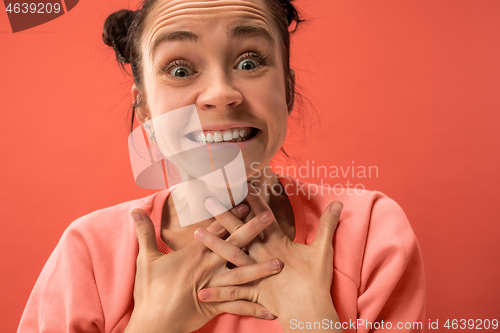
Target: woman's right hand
{"points": [[167, 285]]}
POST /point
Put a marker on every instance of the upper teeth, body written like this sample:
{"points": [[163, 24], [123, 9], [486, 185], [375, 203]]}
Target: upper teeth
{"points": [[219, 136]]}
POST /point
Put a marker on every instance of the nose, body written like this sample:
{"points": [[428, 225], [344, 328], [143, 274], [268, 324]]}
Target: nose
{"points": [[219, 93]]}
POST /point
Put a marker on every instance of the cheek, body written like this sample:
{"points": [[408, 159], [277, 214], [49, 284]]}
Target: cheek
{"points": [[268, 97], [273, 109], [162, 98], [270, 107]]}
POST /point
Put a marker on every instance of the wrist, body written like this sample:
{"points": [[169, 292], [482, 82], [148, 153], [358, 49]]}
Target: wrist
{"points": [[144, 321], [307, 310], [300, 300]]}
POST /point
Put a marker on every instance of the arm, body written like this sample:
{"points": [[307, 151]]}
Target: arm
{"points": [[65, 296], [392, 285]]}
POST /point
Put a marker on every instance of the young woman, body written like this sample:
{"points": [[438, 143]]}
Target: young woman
{"points": [[133, 268]]}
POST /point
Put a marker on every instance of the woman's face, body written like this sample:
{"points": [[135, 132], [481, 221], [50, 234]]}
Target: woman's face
{"points": [[224, 57]]}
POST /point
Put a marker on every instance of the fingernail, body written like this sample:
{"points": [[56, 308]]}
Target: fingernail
{"points": [[266, 217], [204, 294], [200, 234], [269, 315], [275, 265], [137, 217], [336, 208], [210, 203], [243, 209]]}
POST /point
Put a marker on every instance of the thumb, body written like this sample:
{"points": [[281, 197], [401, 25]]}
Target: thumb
{"points": [[145, 231], [327, 224]]}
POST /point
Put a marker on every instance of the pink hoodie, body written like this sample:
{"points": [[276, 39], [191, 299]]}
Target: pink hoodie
{"points": [[87, 283]]}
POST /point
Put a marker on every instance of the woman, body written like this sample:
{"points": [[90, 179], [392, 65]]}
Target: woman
{"points": [[230, 59]]}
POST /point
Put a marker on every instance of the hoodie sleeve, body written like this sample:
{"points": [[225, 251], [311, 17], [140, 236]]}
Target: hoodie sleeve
{"points": [[392, 290], [65, 297]]}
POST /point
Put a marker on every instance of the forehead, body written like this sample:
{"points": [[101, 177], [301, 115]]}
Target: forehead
{"points": [[190, 14]]}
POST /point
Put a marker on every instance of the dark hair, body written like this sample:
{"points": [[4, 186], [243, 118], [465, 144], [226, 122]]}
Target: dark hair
{"points": [[123, 30]]}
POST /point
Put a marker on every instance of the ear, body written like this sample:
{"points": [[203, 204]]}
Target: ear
{"points": [[291, 89], [141, 112]]}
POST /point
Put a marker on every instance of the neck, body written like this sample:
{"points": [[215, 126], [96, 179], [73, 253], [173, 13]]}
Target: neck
{"points": [[266, 182]]}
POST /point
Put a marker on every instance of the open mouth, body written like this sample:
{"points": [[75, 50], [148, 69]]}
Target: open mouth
{"points": [[239, 134]]}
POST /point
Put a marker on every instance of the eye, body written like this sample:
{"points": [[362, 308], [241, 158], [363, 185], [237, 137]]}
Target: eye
{"points": [[249, 64], [252, 61], [180, 72], [178, 69]]}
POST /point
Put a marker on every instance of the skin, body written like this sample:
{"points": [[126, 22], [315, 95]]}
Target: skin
{"points": [[178, 277], [301, 291], [224, 91], [221, 92]]}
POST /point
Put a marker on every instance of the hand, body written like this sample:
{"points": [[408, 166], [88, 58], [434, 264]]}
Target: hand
{"points": [[302, 290], [166, 286]]}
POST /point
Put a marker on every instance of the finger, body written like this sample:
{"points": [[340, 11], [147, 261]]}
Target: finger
{"points": [[245, 234], [225, 250], [217, 230], [248, 232], [258, 205], [327, 224], [145, 231], [247, 219], [244, 308], [228, 220], [240, 211], [247, 274], [226, 294]]}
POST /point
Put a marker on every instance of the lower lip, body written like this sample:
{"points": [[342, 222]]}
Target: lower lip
{"points": [[222, 144]]}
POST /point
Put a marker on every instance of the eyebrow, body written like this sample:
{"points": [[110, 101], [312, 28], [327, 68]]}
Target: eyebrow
{"points": [[245, 30], [234, 33]]}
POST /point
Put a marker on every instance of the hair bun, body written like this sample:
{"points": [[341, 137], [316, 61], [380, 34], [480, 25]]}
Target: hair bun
{"points": [[115, 33], [291, 14]]}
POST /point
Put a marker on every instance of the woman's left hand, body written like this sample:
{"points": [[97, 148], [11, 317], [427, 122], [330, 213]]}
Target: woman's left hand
{"points": [[302, 290]]}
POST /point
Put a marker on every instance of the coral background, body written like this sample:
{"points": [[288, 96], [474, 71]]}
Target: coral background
{"points": [[411, 87]]}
